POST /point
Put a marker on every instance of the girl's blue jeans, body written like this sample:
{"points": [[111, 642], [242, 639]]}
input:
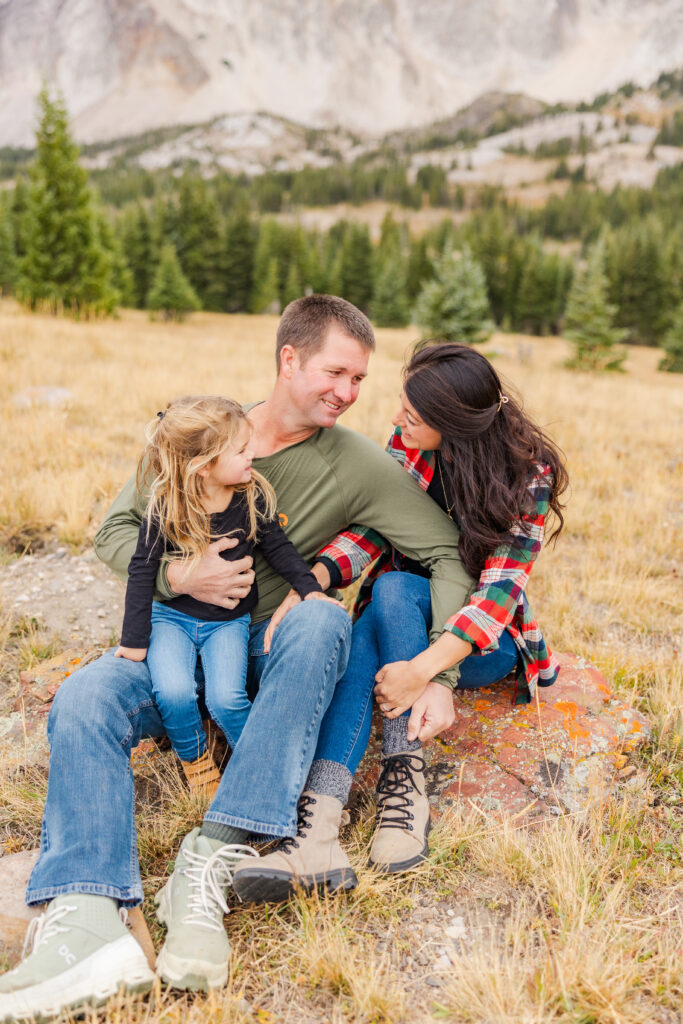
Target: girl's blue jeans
{"points": [[176, 641], [88, 840], [394, 627]]}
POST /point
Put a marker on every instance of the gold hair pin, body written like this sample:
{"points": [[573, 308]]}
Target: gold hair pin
{"points": [[503, 400]]}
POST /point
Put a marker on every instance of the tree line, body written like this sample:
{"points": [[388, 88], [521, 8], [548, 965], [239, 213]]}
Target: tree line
{"points": [[203, 243]]}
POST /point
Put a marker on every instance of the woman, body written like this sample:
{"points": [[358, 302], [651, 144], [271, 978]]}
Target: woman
{"points": [[473, 450]]}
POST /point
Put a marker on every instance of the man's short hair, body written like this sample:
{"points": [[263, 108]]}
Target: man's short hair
{"points": [[305, 322]]}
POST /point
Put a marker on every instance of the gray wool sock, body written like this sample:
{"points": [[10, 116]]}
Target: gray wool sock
{"points": [[223, 833], [395, 736], [328, 778]]}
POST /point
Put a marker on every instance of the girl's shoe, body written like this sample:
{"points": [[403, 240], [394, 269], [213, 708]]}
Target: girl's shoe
{"points": [[202, 775]]}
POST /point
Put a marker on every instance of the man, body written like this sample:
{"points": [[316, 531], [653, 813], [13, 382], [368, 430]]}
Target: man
{"points": [[325, 478]]}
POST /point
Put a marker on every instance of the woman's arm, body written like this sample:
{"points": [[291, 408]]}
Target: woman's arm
{"points": [[482, 620]]}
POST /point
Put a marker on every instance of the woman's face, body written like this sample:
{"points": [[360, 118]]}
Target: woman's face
{"points": [[414, 431]]}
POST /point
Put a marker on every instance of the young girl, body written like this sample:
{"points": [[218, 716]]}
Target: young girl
{"points": [[202, 488]]}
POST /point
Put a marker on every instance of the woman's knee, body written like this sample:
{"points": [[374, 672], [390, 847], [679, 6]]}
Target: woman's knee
{"points": [[399, 589]]}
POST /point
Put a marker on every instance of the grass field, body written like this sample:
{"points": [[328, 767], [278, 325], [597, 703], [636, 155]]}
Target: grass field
{"points": [[581, 923]]}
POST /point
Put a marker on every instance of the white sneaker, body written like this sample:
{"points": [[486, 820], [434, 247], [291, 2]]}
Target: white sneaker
{"points": [[79, 953], [192, 905]]}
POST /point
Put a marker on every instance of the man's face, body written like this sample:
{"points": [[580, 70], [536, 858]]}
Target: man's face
{"points": [[327, 384]]}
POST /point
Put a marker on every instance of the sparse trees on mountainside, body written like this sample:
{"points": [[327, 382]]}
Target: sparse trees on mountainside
{"points": [[171, 293], [454, 305], [589, 318], [64, 265], [672, 344]]}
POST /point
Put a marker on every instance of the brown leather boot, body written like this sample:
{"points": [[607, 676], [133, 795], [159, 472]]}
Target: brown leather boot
{"points": [[312, 859], [400, 840], [202, 775]]}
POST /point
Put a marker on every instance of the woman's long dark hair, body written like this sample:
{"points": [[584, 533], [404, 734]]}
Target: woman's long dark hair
{"points": [[489, 449]]}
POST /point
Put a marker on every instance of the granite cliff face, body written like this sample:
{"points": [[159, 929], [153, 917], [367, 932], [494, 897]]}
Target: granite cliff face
{"points": [[370, 65]]}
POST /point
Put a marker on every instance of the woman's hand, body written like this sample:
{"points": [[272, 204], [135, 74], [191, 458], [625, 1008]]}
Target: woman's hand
{"points": [[399, 685], [289, 602], [431, 713], [131, 653]]}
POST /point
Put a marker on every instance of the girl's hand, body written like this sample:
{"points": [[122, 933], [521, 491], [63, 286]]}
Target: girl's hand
{"points": [[131, 653], [289, 602], [399, 685], [431, 713]]}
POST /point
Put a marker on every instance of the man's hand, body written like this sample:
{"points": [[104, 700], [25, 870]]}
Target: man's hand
{"points": [[398, 687], [131, 653], [286, 606], [431, 713], [214, 580]]}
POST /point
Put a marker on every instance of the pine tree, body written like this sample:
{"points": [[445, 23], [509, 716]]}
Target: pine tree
{"points": [[171, 293], [200, 243], [589, 318], [8, 257], [292, 284], [238, 261], [135, 232], [265, 292], [454, 305], [672, 344], [419, 268], [389, 301], [357, 267], [64, 266]]}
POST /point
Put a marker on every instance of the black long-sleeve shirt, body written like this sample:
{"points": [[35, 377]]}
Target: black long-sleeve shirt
{"points": [[277, 549]]}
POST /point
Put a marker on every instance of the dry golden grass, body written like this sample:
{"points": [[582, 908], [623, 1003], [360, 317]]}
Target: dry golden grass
{"points": [[578, 922]]}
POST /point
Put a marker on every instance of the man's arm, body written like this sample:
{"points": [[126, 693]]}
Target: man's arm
{"points": [[215, 580]]}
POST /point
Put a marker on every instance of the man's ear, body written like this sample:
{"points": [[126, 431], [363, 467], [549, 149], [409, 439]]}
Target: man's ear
{"points": [[289, 361]]}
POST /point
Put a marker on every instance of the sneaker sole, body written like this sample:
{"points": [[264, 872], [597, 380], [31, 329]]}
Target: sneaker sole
{"points": [[404, 865], [187, 973], [117, 965], [254, 885]]}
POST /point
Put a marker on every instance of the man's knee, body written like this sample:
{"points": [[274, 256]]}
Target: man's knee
{"points": [[102, 691], [315, 625]]}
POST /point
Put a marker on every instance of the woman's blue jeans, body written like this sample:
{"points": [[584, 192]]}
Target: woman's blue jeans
{"points": [[394, 627], [88, 840], [176, 641]]}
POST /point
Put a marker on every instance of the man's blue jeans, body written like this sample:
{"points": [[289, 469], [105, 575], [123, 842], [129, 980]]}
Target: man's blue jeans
{"points": [[394, 627], [176, 641], [88, 841]]}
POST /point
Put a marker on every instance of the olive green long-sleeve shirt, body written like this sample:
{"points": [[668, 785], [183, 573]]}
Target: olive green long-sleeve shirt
{"points": [[324, 484]]}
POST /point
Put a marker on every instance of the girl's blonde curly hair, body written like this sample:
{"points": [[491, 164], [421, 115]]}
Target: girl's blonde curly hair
{"points": [[191, 433]]}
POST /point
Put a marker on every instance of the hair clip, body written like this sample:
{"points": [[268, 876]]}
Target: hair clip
{"points": [[160, 415], [503, 400]]}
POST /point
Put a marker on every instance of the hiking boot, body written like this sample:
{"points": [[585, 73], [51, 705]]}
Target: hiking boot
{"points": [[312, 858], [400, 840], [202, 775], [192, 905], [79, 954]]}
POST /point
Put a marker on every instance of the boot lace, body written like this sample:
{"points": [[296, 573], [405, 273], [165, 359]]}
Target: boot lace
{"points": [[394, 787], [43, 928], [209, 878], [302, 824]]}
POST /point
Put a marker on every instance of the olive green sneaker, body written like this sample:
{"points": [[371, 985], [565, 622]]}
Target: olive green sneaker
{"points": [[192, 905], [79, 953]]}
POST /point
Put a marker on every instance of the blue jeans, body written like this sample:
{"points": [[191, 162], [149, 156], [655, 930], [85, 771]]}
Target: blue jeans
{"points": [[176, 641], [394, 627], [88, 840]]}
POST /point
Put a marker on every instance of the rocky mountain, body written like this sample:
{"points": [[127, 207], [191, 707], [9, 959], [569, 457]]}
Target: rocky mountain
{"points": [[126, 66]]}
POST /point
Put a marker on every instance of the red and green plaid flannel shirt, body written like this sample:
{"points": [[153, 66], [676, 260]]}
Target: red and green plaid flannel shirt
{"points": [[499, 601]]}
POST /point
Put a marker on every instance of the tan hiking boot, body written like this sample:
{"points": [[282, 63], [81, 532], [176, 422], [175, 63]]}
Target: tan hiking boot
{"points": [[400, 840], [202, 775], [312, 859]]}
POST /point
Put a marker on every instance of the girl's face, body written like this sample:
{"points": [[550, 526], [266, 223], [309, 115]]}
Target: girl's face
{"points": [[414, 431], [233, 465]]}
